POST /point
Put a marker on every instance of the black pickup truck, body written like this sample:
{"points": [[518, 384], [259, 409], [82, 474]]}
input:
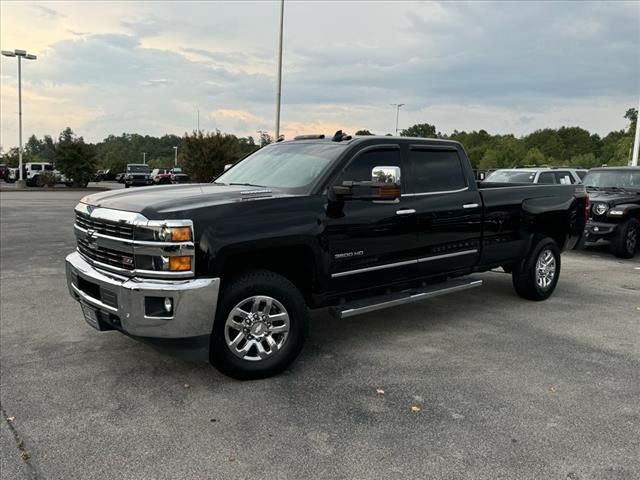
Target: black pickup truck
{"points": [[354, 224]]}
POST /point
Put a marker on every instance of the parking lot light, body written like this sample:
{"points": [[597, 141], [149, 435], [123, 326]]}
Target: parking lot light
{"points": [[27, 56]]}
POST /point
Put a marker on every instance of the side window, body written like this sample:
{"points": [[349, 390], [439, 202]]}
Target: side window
{"points": [[435, 171], [359, 170], [36, 166], [564, 178], [547, 177], [48, 167]]}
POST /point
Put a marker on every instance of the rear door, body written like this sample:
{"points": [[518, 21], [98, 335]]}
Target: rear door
{"points": [[449, 209]]}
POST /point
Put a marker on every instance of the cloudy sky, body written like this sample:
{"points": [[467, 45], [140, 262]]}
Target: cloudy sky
{"points": [[148, 67]]}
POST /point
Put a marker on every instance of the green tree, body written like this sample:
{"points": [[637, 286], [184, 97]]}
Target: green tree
{"points": [[534, 157], [363, 132], [585, 160], [205, 155], [423, 130], [74, 158]]}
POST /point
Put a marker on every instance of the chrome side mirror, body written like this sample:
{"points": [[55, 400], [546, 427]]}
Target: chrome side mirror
{"points": [[390, 175]]}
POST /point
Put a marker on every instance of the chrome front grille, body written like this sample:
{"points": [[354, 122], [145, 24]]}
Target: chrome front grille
{"points": [[131, 245], [113, 229], [106, 256]]}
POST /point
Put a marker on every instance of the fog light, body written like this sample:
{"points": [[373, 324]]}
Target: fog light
{"points": [[168, 305]]}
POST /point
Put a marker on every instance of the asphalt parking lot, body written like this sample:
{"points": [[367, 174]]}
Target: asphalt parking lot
{"points": [[502, 387]]}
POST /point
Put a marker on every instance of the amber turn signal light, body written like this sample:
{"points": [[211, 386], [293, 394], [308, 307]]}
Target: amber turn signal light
{"points": [[180, 264], [181, 234]]}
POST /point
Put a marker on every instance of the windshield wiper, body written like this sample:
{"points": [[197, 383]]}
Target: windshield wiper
{"points": [[592, 187], [247, 185]]}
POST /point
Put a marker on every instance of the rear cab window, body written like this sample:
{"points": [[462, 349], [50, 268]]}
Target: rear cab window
{"points": [[434, 170], [547, 178]]}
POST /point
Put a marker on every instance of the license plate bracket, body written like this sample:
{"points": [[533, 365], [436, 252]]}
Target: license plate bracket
{"points": [[91, 316]]}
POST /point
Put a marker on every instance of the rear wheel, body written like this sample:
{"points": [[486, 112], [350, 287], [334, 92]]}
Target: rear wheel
{"points": [[625, 243], [260, 326], [536, 277]]}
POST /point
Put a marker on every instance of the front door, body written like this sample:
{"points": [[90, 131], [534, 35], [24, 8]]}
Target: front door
{"points": [[370, 242]]}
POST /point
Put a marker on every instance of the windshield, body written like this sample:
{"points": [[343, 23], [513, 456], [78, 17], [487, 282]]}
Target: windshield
{"points": [[289, 166], [511, 176], [137, 169], [627, 179]]}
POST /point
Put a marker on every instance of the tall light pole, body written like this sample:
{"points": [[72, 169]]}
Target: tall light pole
{"points": [[636, 141], [279, 91], [175, 156], [144, 157], [27, 56], [397, 105]]}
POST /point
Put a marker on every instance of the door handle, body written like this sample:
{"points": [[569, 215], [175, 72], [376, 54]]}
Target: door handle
{"points": [[406, 211], [470, 205]]}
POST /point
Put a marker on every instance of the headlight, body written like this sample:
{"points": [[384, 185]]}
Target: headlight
{"points": [[600, 208], [165, 246]]}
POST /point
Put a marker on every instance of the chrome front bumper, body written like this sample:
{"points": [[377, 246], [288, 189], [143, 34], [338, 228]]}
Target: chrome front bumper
{"points": [[120, 301]]}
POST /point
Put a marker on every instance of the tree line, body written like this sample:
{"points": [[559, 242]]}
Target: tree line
{"points": [[204, 154]]}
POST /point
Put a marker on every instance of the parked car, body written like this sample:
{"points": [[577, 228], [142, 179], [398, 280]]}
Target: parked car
{"points": [[614, 193], [120, 177], [12, 175], [105, 176], [180, 178], [33, 170], [138, 174], [354, 224], [560, 176], [161, 176], [4, 172]]}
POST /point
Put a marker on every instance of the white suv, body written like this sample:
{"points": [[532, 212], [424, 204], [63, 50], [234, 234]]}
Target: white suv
{"points": [[561, 176], [34, 169]]}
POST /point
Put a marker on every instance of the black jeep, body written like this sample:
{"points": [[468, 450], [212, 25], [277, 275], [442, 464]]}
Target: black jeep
{"points": [[614, 215]]}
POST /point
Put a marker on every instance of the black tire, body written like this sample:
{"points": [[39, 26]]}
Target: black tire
{"points": [[126, 185], [525, 276], [243, 289], [625, 243]]}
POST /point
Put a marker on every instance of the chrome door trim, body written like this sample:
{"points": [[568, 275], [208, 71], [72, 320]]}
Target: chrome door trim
{"points": [[471, 205], [374, 268], [401, 264], [434, 193], [447, 255]]}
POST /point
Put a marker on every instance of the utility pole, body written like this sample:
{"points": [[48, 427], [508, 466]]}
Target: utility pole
{"points": [[198, 120], [397, 105], [175, 157], [279, 90], [636, 141], [27, 56], [144, 157]]}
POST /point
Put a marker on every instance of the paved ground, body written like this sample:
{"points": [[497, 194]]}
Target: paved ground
{"points": [[507, 388]]}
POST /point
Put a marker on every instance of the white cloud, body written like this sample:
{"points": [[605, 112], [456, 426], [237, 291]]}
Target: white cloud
{"points": [[147, 67]]}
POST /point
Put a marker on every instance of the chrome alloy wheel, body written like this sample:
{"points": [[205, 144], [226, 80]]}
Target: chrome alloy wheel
{"points": [[545, 269], [257, 328], [632, 239]]}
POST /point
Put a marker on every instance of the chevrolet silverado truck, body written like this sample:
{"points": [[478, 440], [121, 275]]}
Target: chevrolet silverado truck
{"points": [[232, 267], [614, 193]]}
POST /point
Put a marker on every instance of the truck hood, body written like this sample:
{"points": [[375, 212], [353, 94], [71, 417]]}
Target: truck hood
{"points": [[613, 197], [159, 202]]}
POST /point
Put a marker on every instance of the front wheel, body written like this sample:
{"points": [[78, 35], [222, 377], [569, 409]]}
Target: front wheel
{"points": [[536, 277], [260, 327], [625, 243]]}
